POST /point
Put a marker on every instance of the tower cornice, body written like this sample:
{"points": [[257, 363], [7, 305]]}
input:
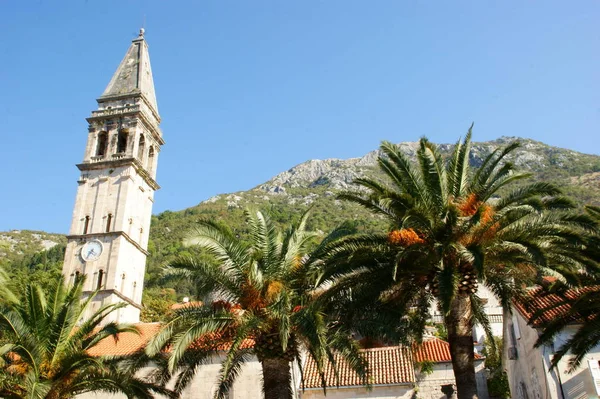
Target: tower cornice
{"points": [[132, 95], [83, 237], [114, 163], [118, 294]]}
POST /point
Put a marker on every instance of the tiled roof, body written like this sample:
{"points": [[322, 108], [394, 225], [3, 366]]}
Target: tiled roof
{"points": [[548, 306], [434, 350], [391, 365], [129, 343], [126, 343]]}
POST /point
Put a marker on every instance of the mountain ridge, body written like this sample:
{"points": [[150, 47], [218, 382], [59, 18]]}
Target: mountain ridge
{"points": [[337, 173]]}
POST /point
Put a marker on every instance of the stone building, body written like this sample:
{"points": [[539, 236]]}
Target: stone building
{"points": [[108, 237], [528, 368]]}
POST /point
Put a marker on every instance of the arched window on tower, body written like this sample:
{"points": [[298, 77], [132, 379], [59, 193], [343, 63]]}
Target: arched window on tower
{"points": [[141, 147], [134, 290], [100, 278], [122, 142], [86, 224], [150, 166], [77, 276], [102, 145], [109, 222]]}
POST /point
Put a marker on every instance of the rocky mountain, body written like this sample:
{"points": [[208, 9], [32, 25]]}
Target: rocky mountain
{"points": [[315, 184], [18, 244], [575, 171]]}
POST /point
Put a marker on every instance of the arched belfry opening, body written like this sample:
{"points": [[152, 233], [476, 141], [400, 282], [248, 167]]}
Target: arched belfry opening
{"points": [[150, 166], [122, 141], [102, 144], [141, 147]]}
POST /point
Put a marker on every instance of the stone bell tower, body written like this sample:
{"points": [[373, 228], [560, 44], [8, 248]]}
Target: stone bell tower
{"points": [[108, 238]]}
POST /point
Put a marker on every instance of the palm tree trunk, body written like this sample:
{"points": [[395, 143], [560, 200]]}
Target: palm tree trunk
{"points": [[459, 324], [277, 378]]}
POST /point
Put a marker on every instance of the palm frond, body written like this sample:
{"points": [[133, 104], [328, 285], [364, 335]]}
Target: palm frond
{"points": [[433, 173], [489, 165], [458, 167], [400, 170]]}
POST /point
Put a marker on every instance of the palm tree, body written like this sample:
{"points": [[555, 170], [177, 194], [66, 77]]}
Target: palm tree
{"points": [[578, 306], [449, 229], [45, 344], [262, 305]]}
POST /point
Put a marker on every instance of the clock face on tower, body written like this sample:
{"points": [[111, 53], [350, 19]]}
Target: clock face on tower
{"points": [[91, 250]]}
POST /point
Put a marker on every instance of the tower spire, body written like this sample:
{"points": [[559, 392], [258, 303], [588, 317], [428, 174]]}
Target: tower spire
{"points": [[133, 77]]}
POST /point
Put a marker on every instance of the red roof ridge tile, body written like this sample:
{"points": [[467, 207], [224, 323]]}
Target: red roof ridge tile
{"points": [[382, 348]]}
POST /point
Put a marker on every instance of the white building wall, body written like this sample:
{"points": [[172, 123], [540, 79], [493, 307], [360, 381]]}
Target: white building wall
{"points": [[429, 386], [492, 308], [529, 374], [578, 384], [378, 392], [527, 367], [247, 386]]}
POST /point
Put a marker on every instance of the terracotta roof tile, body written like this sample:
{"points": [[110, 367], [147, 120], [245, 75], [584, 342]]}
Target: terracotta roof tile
{"points": [[549, 305], [434, 350], [391, 365], [129, 343], [126, 343]]}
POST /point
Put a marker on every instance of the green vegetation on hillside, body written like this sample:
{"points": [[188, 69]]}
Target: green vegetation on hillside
{"points": [[22, 253]]}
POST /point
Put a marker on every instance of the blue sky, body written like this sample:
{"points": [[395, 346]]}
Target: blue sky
{"points": [[248, 89]]}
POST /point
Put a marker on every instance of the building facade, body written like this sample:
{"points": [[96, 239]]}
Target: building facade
{"points": [[108, 238], [529, 368]]}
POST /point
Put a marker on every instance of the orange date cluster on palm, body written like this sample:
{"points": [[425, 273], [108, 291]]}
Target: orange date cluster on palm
{"points": [[471, 205], [251, 298], [269, 346], [468, 206], [404, 237]]}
